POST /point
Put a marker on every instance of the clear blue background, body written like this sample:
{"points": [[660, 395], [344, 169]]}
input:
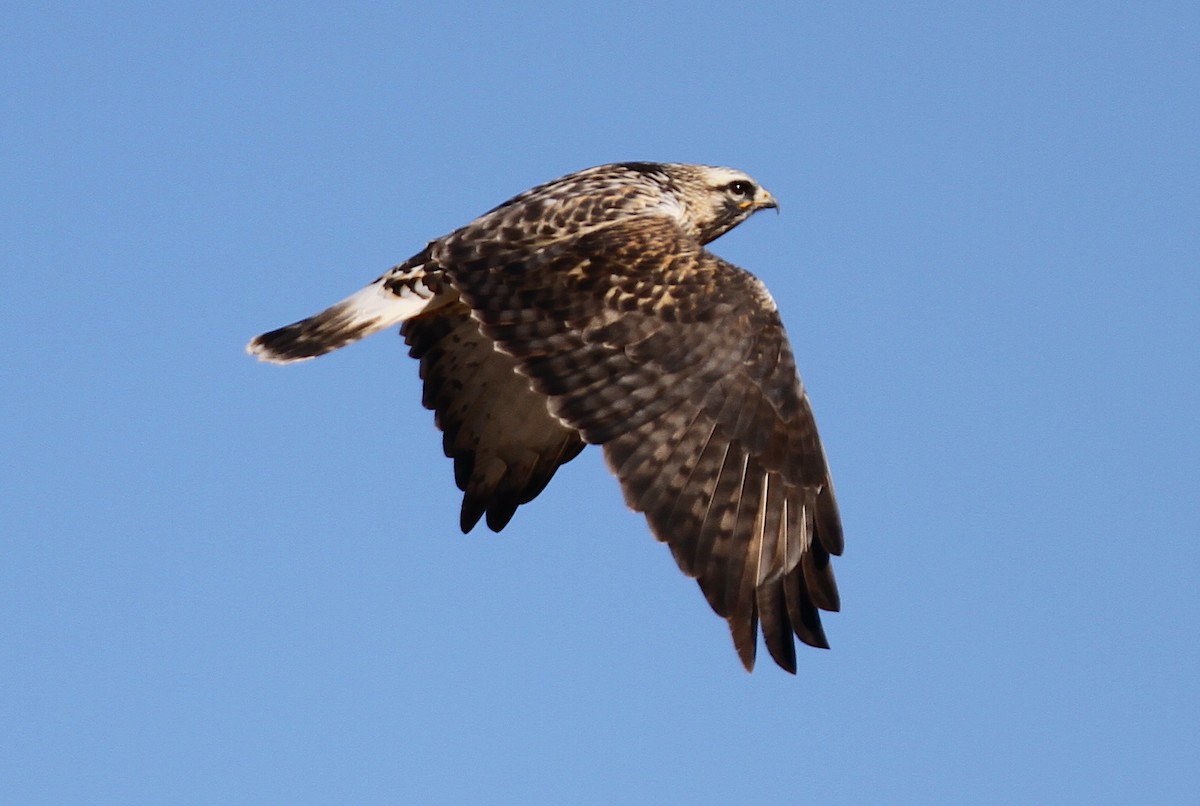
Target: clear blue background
{"points": [[222, 581]]}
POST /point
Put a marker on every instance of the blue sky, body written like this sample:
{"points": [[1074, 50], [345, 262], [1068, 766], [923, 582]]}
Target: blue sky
{"points": [[229, 582]]}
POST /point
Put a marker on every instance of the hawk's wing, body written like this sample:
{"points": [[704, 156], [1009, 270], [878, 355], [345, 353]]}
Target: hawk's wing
{"points": [[505, 444], [677, 363]]}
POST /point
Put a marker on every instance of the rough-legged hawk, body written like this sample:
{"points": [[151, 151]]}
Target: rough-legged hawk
{"points": [[587, 310]]}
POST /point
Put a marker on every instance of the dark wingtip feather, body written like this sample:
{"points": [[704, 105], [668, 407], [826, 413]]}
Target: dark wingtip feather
{"points": [[500, 512], [745, 639], [827, 522], [805, 618], [819, 579], [472, 511], [776, 629]]}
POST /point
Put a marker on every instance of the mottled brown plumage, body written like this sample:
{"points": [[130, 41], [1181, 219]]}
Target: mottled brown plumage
{"points": [[588, 310]]}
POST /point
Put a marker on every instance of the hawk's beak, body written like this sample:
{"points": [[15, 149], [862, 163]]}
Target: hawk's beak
{"points": [[761, 201]]}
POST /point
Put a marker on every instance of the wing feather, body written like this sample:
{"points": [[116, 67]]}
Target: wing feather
{"points": [[771, 600], [505, 444], [677, 363]]}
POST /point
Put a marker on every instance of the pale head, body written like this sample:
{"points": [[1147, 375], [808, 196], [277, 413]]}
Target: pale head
{"points": [[714, 200]]}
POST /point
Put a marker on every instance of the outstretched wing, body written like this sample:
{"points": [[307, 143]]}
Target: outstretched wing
{"points": [[677, 363], [505, 444]]}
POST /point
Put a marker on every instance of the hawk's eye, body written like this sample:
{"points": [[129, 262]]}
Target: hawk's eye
{"points": [[741, 188]]}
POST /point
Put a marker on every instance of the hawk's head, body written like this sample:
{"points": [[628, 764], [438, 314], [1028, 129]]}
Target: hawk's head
{"points": [[715, 200]]}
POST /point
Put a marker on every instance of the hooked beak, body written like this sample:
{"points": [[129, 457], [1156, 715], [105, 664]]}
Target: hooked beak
{"points": [[762, 201]]}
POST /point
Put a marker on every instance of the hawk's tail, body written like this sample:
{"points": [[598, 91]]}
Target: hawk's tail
{"points": [[391, 299]]}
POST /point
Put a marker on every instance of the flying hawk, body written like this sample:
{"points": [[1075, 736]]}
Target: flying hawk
{"points": [[587, 311]]}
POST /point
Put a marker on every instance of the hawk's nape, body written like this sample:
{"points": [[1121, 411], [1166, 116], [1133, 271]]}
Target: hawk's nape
{"points": [[587, 310]]}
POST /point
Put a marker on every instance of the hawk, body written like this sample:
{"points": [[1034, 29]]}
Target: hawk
{"points": [[587, 311]]}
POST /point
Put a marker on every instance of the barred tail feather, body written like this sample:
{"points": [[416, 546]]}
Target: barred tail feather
{"points": [[382, 304]]}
